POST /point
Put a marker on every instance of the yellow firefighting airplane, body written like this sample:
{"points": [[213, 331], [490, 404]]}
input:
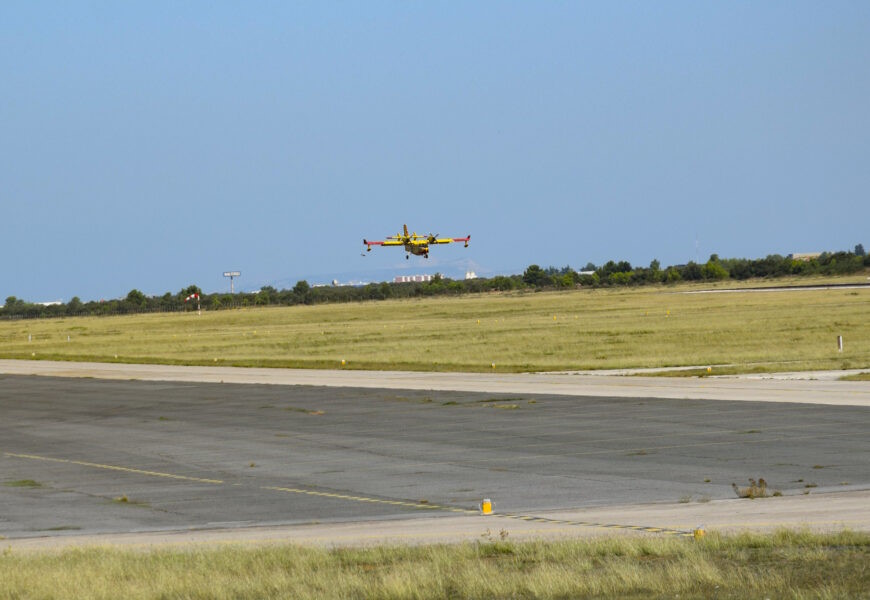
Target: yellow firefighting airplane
{"points": [[413, 243]]}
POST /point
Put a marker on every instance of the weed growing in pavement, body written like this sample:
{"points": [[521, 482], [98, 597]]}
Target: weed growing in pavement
{"points": [[755, 490]]}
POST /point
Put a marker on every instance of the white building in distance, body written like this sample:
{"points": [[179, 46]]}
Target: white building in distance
{"points": [[412, 278]]}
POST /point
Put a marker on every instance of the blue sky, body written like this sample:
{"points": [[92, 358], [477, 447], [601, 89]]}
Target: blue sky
{"points": [[152, 145]]}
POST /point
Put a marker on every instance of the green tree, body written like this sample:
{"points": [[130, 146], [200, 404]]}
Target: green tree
{"points": [[136, 298], [536, 276], [589, 280], [672, 275], [501, 282], [74, 306], [619, 278], [859, 250], [269, 293], [714, 269], [692, 271], [302, 292], [564, 281]]}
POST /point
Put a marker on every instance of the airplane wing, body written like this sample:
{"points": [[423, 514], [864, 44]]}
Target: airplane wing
{"points": [[450, 240], [387, 242]]}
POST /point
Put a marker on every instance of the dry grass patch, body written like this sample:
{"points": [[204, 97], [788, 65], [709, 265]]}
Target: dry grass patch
{"points": [[756, 489]]}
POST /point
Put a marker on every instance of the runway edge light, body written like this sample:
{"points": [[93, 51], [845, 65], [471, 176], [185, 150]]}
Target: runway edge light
{"points": [[486, 507]]}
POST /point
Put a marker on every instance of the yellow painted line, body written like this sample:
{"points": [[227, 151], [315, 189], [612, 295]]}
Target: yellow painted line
{"points": [[221, 482], [371, 500], [114, 468]]}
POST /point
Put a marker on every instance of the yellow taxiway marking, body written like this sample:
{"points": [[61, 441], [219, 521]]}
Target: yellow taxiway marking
{"points": [[415, 505], [405, 504], [114, 468]]}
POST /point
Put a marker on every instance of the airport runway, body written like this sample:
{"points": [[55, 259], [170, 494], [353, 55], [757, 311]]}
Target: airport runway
{"points": [[203, 458]]}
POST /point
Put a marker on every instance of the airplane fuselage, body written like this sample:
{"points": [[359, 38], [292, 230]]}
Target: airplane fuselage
{"points": [[418, 249]]}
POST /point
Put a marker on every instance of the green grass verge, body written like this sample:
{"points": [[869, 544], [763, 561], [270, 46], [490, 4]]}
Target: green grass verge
{"points": [[548, 331], [783, 565]]}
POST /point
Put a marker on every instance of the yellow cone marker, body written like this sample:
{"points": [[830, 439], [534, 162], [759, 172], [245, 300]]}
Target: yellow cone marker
{"points": [[486, 507], [343, 362], [699, 533]]}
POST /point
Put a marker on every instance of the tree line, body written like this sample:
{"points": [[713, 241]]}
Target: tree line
{"points": [[610, 274]]}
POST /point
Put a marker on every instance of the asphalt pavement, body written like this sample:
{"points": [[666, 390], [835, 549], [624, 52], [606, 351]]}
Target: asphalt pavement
{"points": [[84, 457]]}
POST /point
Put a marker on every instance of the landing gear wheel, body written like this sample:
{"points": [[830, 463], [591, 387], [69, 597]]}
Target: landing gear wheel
{"points": [[407, 256]]}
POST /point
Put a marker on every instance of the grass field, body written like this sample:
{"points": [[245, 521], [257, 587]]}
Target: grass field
{"points": [[783, 565], [580, 329]]}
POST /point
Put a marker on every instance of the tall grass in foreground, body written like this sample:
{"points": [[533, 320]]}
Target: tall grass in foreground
{"points": [[578, 329], [782, 565]]}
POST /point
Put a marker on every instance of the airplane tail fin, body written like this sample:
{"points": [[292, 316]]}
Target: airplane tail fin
{"points": [[406, 231]]}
